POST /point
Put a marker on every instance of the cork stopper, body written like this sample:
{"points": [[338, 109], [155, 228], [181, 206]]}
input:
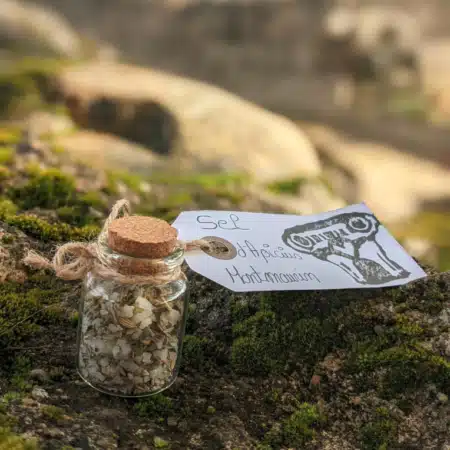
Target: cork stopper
{"points": [[142, 237]]}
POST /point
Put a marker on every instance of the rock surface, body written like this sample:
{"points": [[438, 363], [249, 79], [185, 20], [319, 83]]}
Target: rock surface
{"points": [[205, 123]]}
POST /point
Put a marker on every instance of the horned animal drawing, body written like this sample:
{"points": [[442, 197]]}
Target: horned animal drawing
{"points": [[349, 242]]}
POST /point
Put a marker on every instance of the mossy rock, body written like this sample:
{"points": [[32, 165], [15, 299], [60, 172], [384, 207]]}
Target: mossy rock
{"points": [[16, 92], [25, 308], [27, 85], [280, 331], [297, 429], [9, 135], [12, 441], [431, 226], [53, 190], [381, 432]]}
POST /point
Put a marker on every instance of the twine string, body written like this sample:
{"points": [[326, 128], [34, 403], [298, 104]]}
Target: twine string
{"points": [[74, 260]]}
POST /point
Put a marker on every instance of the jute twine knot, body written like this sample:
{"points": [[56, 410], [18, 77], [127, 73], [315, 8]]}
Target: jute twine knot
{"points": [[74, 260]]}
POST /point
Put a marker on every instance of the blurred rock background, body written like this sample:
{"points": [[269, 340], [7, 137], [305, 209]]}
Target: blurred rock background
{"points": [[320, 102]]}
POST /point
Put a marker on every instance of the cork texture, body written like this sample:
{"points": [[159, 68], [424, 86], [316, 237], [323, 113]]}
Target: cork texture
{"points": [[142, 237]]}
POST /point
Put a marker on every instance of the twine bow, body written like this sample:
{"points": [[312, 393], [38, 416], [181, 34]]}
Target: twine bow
{"points": [[74, 260]]}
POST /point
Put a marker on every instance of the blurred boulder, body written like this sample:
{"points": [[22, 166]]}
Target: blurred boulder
{"points": [[178, 116], [370, 21], [103, 151], [395, 185], [435, 72], [29, 29]]}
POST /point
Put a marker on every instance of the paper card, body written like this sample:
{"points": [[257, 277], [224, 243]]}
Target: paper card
{"points": [[342, 249]]}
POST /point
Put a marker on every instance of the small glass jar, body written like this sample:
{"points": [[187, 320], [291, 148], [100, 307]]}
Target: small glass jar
{"points": [[130, 335]]}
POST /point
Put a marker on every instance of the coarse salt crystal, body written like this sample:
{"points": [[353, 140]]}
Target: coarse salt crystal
{"points": [[143, 303], [145, 323], [146, 357], [126, 311]]}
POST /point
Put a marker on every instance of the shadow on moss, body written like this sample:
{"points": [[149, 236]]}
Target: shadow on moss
{"points": [[21, 308], [158, 406], [381, 433]]}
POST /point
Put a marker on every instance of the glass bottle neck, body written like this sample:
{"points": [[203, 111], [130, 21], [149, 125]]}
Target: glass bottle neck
{"points": [[169, 265]]}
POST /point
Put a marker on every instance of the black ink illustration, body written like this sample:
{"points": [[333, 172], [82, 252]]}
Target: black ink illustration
{"points": [[349, 242]]}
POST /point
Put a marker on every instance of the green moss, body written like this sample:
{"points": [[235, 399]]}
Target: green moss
{"points": [[21, 369], [5, 173], [291, 186], [273, 396], [11, 397], [7, 208], [44, 231], [379, 434], [401, 369], [265, 342], [405, 326], [21, 308], [444, 259], [74, 319], [188, 191], [257, 345], [262, 446], [17, 94], [6, 154], [431, 226], [7, 239], [53, 412], [132, 181], [414, 297], [154, 407], [94, 199], [205, 180], [10, 135], [160, 443], [211, 410], [40, 70], [195, 351], [7, 420], [241, 309], [297, 429], [28, 84], [382, 347], [178, 199], [12, 441], [49, 189], [58, 149], [409, 105]]}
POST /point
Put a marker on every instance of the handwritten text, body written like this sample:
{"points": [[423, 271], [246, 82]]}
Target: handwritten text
{"points": [[223, 224], [266, 252], [255, 277]]}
